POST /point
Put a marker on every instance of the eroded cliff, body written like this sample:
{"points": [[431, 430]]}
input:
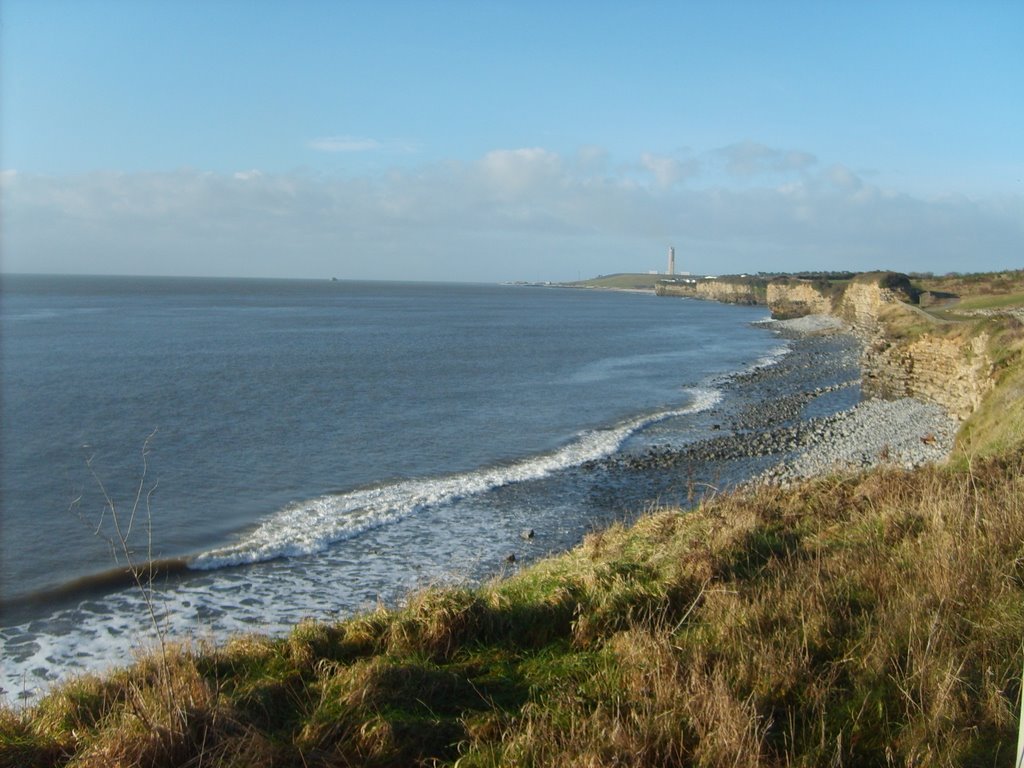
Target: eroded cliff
{"points": [[951, 371], [789, 298], [906, 352], [729, 290]]}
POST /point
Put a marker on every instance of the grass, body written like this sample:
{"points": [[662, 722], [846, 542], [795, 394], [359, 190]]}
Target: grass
{"points": [[982, 291], [1001, 301], [904, 323], [622, 281], [853, 621], [980, 284], [997, 428]]}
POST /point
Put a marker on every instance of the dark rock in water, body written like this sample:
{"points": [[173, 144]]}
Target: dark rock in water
{"points": [[511, 558]]}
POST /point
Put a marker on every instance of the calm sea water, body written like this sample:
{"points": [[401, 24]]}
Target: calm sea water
{"points": [[312, 447]]}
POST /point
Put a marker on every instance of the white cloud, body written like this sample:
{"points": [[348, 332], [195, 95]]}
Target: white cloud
{"points": [[590, 159], [843, 178], [668, 170], [750, 158], [515, 172], [514, 213]]}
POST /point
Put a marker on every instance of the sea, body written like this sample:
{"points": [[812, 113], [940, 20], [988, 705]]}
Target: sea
{"points": [[259, 452]]}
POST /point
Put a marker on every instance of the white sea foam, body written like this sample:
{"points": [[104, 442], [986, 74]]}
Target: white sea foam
{"points": [[213, 605], [773, 356], [49, 313], [310, 527]]}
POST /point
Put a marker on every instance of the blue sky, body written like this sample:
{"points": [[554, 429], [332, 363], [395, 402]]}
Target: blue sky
{"points": [[509, 140]]}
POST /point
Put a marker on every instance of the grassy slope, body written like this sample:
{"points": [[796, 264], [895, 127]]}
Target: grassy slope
{"points": [[1004, 301], [998, 427], [625, 280], [983, 291], [852, 621], [979, 285]]}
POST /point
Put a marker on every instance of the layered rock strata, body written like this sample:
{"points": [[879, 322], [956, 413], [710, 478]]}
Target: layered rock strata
{"points": [[747, 291], [952, 371]]}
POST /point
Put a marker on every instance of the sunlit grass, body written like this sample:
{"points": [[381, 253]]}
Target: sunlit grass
{"points": [[847, 621], [999, 301]]}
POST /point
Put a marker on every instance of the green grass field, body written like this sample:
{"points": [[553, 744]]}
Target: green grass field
{"points": [[1002, 301]]}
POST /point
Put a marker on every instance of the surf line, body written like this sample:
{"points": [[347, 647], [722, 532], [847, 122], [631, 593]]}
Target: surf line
{"points": [[310, 527]]}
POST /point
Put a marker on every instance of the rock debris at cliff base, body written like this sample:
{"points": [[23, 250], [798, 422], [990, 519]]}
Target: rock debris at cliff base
{"points": [[905, 433], [800, 417]]}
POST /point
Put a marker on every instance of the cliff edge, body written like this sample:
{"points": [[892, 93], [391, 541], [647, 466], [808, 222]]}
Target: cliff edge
{"points": [[907, 352]]}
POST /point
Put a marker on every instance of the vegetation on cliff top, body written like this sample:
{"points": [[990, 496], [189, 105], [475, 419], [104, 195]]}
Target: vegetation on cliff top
{"points": [[982, 287], [997, 428], [622, 281]]}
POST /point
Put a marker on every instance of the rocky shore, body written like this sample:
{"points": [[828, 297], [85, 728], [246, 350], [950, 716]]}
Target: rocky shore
{"points": [[904, 432], [801, 416]]}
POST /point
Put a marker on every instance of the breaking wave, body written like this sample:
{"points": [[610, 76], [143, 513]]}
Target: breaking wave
{"points": [[309, 527]]}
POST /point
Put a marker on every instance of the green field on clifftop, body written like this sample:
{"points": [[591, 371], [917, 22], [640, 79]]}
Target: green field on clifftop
{"points": [[622, 281]]}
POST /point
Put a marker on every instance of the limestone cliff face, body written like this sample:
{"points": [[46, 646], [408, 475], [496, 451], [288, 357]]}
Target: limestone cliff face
{"points": [[864, 301], [796, 298], [952, 371], [739, 291]]}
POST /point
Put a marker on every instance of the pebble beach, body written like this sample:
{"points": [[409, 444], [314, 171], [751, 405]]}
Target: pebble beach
{"points": [[803, 416], [905, 433]]}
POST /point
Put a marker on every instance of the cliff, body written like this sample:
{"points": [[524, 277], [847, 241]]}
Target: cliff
{"points": [[789, 298], [907, 353], [729, 290], [953, 372]]}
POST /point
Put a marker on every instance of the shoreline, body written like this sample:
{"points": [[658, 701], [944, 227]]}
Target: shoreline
{"points": [[904, 432], [779, 421], [804, 416], [772, 625]]}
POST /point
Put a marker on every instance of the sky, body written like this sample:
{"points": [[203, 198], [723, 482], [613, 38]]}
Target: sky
{"points": [[491, 140]]}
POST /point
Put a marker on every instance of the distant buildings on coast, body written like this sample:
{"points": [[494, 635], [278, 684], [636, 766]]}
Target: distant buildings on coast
{"points": [[671, 265]]}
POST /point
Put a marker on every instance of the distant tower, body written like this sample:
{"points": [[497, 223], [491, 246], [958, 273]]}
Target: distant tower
{"points": [[671, 260]]}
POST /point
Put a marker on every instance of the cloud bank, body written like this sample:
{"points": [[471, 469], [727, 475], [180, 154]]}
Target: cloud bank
{"points": [[749, 158], [525, 213]]}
